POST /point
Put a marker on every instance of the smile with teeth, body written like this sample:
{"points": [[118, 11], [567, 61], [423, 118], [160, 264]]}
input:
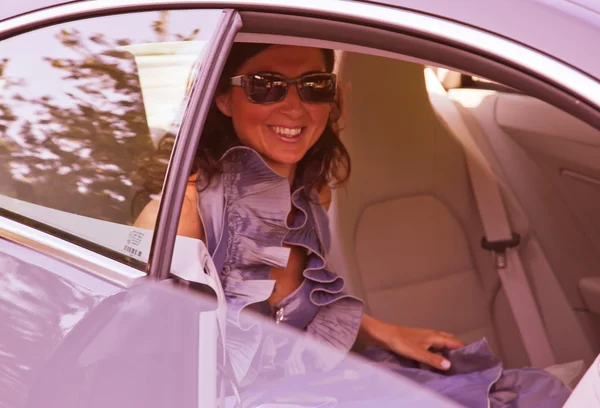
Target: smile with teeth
{"points": [[285, 131]]}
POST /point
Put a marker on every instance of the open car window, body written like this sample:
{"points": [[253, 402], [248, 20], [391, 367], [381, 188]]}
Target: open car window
{"points": [[83, 107]]}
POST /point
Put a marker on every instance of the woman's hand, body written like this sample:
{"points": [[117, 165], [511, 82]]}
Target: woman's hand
{"points": [[410, 342]]}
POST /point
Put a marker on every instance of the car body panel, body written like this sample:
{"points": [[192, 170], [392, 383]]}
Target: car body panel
{"points": [[41, 300], [152, 364], [571, 40], [573, 22]]}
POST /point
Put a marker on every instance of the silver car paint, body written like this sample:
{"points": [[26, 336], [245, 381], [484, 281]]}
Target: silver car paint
{"points": [[567, 30]]}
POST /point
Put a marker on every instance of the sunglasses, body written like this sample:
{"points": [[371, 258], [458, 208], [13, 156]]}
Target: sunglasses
{"points": [[270, 88]]}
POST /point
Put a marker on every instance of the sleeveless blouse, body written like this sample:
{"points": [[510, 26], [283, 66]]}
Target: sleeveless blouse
{"points": [[244, 211]]}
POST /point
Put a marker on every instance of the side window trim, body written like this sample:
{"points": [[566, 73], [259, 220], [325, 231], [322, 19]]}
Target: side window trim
{"points": [[203, 88]]}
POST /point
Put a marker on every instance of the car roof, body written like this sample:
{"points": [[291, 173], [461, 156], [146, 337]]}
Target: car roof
{"points": [[568, 30], [14, 8], [564, 29]]}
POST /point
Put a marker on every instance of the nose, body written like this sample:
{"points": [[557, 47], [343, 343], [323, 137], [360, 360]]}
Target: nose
{"points": [[292, 105]]}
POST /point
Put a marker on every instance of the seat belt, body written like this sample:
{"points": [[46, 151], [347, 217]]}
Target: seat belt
{"points": [[499, 237]]}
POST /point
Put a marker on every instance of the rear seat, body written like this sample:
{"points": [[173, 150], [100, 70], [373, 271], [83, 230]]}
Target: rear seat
{"points": [[406, 229]]}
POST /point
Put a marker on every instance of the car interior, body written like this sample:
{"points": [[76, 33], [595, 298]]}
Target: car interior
{"points": [[407, 228]]}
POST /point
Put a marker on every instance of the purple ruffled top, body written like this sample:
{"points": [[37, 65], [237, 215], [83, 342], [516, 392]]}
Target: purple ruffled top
{"points": [[244, 211]]}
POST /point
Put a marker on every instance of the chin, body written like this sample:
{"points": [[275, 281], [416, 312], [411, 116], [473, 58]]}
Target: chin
{"points": [[283, 160], [285, 156]]}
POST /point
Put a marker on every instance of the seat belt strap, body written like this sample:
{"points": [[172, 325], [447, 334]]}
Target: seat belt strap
{"points": [[498, 234]]}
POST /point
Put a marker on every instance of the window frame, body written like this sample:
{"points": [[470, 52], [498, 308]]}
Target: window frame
{"points": [[186, 143]]}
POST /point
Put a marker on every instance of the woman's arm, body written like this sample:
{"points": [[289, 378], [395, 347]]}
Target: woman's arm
{"points": [[410, 342], [189, 225]]}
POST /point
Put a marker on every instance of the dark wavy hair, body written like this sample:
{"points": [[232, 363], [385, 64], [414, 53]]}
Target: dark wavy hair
{"points": [[326, 163]]}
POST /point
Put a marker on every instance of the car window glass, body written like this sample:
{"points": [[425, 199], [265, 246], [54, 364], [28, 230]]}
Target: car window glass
{"points": [[83, 105]]}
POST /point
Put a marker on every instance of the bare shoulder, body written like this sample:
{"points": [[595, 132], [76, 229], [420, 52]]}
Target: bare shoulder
{"points": [[147, 218], [325, 197], [189, 225]]}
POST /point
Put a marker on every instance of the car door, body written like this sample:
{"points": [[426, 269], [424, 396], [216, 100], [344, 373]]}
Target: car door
{"points": [[83, 103]]}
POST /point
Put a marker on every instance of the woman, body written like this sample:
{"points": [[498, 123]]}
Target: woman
{"points": [[258, 197]]}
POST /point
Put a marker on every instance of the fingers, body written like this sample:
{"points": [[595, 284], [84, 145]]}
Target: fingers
{"points": [[415, 343], [432, 359], [440, 340], [450, 335]]}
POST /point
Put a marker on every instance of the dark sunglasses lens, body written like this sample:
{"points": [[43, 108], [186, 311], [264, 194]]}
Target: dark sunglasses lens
{"points": [[263, 89], [317, 88]]}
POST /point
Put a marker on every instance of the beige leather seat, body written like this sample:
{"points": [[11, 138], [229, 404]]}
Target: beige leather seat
{"points": [[406, 228]]}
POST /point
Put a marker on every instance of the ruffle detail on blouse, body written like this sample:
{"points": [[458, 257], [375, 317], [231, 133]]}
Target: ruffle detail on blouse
{"points": [[242, 347], [241, 293], [272, 256], [256, 208], [337, 324], [322, 287], [338, 314], [335, 315]]}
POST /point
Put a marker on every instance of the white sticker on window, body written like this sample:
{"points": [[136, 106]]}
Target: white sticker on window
{"points": [[134, 243]]}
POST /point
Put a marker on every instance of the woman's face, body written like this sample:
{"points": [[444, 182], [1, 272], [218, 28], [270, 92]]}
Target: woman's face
{"points": [[267, 127]]}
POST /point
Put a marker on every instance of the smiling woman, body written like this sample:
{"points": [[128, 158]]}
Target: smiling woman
{"points": [[258, 196], [293, 129]]}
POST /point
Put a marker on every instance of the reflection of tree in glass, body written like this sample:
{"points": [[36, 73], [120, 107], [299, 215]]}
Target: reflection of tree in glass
{"points": [[82, 144], [7, 115], [8, 146], [160, 27]]}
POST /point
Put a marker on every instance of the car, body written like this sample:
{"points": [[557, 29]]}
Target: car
{"points": [[471, 208]]}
